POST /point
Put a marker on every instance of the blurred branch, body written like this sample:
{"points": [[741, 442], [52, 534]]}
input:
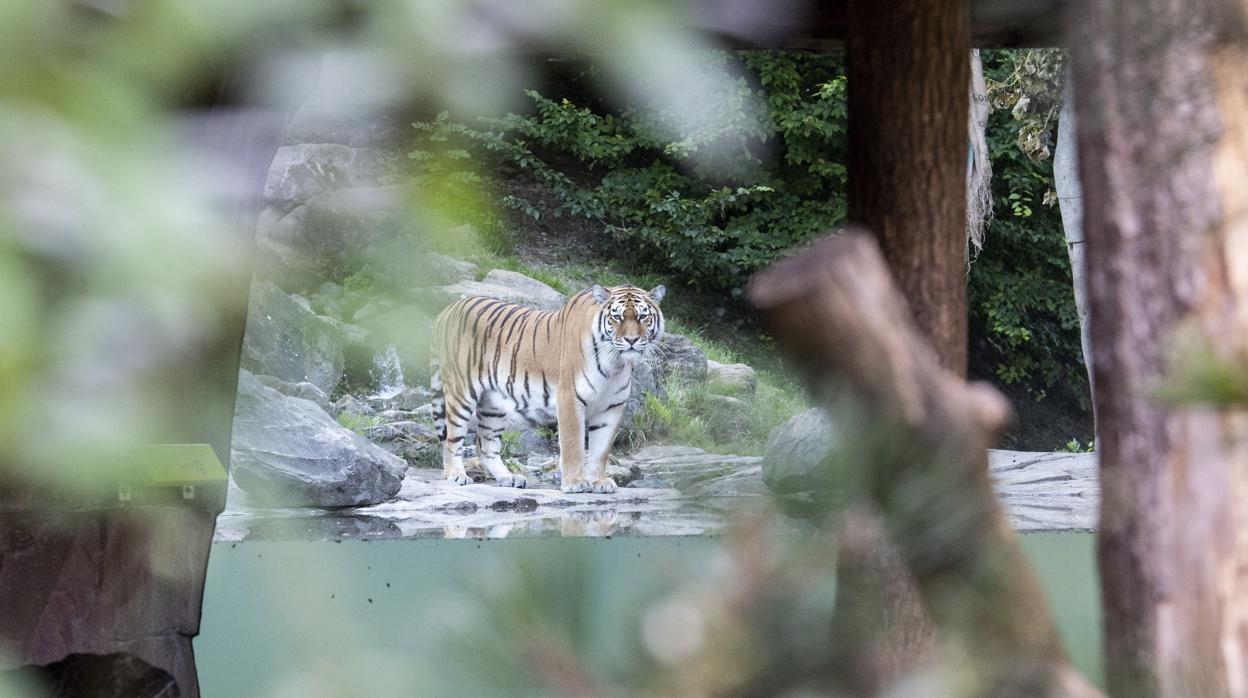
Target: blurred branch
{"points": [[836, 312]]}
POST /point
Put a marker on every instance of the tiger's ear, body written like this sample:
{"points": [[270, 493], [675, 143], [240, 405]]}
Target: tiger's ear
{"points": [[657, 293], [600, 294]]}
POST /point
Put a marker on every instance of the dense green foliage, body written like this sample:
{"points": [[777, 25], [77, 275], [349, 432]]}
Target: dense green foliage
{"points": [[1022, 298], [1027, 84], [713, 203]]}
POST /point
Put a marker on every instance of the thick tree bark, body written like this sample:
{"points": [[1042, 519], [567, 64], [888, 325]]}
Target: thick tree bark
{"points": [[1163, 152], [908, 116], [923, 448]]}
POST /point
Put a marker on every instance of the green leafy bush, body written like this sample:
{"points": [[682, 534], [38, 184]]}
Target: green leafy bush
{"points": [[1073, 446], [716, 203]]}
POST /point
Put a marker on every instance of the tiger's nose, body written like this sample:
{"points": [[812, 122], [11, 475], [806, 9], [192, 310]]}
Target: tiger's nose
{"points": [[632, 340]]}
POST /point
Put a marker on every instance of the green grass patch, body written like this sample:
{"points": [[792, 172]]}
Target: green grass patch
{"points": [[715, 350], [542, 275], [512, 450], [358, 422], [696, 415]]}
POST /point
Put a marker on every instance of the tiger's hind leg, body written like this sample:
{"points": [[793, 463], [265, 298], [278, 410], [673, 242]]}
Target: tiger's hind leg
{"points": [[491, 423]]}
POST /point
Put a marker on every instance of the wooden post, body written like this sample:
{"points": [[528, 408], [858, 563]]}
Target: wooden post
{"points": [[1163, 158]]}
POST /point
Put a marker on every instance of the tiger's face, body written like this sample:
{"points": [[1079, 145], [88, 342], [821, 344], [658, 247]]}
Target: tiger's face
{"points": [[629, 318]]}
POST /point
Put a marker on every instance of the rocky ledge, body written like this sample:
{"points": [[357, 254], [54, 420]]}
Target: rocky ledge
{"points": [[1047, 491], [426, 506], [678, 490]]}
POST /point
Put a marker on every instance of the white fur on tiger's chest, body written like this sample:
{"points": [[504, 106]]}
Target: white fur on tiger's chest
{"points": [[605, 379]]}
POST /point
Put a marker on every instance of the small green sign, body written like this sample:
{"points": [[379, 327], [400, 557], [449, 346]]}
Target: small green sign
{"points": [[181, 464]]}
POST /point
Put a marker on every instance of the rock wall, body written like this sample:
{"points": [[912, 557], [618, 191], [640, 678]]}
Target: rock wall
{"points": [[104, 581]]}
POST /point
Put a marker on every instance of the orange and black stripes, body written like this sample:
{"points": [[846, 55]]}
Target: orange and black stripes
{"points": [[501, 364]]}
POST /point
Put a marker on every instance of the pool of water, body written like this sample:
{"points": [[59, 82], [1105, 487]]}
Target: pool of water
{"points": [[311, 618]]}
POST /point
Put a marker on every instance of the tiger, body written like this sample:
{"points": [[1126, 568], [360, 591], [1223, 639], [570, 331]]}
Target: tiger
{"points": [[505, 365]]}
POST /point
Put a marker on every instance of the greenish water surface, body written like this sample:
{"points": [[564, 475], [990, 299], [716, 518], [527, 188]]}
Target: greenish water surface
{"points": [[363, 618]]}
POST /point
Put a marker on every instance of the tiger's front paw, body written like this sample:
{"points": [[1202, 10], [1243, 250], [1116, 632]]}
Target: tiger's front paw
{"points": [[604, 486], [518, 481], [575, 486], [459, 478]]}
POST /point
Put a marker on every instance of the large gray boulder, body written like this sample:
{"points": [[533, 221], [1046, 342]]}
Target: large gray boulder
{"points": [[795, 453], [506, 285], [324, 237], [540, 294], [303, 390], [643, 383], [356, 98], [441, 269], [289, 342], [288, 452], [677, 357], [302, 171], [735, 379]]}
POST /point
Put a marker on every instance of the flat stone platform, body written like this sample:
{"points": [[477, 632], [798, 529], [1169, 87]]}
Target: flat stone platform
{"points": [[1047, 491], [680, 491]]}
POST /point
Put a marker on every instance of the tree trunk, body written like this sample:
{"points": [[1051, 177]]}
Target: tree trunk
{"points": [[1163, 153], [908, 114], [1070, 201], [978, 162]]}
